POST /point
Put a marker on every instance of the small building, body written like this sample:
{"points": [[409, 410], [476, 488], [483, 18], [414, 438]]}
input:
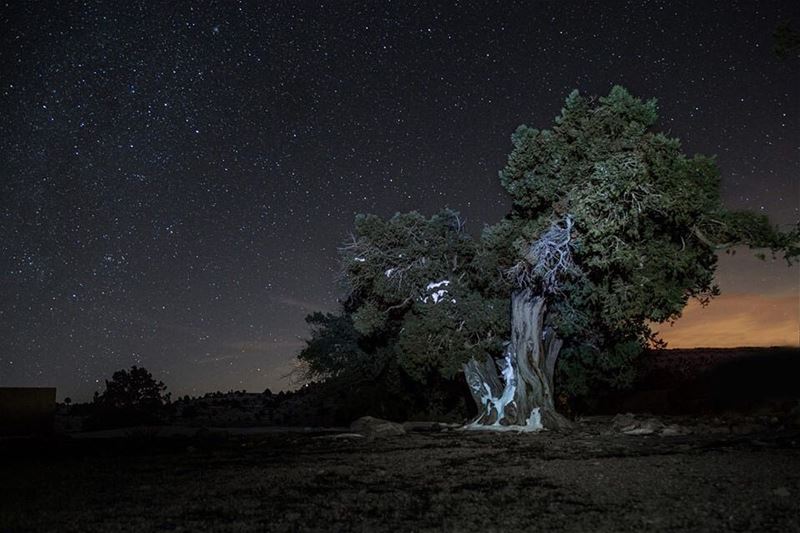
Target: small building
{"points": [[27, 410]]}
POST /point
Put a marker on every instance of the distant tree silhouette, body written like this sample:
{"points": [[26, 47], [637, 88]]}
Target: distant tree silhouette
{"points": [[131, 397], [135, 388], [787, 41]]}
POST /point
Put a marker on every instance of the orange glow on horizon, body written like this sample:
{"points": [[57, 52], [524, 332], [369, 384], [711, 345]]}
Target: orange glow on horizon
{"points": [[737, 320]]}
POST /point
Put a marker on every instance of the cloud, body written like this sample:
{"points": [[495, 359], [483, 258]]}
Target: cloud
{"points": [[263, 349], [216, 358], [297, 303], [734, 320], [266, 345]]}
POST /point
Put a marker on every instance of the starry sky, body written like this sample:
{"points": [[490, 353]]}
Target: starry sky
{"points": [[175, 177]]}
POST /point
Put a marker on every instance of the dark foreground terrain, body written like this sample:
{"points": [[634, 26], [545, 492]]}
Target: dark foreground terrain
{"points": [[596, 478]]}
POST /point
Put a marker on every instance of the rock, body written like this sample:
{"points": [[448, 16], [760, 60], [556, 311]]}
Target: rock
{"points": [[638, 430], [628, 423], [793, 418], [339, 436], [372, 427], [643, 427], [622, 421], [674, 430], [746, 428], [719, 430], [782, 492]]}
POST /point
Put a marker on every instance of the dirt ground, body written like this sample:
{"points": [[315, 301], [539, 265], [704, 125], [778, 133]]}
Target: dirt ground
{"points": [[592, 479]]}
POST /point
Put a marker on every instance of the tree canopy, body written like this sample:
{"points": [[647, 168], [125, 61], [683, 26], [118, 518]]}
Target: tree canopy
{"points": [[643, 223], [415, 303]]}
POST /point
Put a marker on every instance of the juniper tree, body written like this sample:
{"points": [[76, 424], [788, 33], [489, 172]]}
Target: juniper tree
{"points": [[612, 228]]}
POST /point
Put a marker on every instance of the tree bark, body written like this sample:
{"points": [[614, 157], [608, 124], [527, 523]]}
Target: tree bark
{"points": [[520, 395]]}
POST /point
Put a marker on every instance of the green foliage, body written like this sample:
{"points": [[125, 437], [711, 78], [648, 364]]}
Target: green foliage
{"points": [[440, 338], [369, 320], [417, 310], [415, 285], [389, 262], [333, 346], [583, 371]]}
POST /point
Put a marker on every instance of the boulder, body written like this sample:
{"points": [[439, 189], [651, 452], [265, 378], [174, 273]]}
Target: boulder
{"points": [[339, 436], [623, 421], [793, 417], [712, 429], [372, 427], [647, 426], [674, 430], [746, 428], [783, 492]]}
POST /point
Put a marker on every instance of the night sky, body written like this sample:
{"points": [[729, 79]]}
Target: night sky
{"points": [[175, 180]]}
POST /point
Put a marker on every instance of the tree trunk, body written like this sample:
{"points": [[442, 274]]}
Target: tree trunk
{"points": [[521, 395]]}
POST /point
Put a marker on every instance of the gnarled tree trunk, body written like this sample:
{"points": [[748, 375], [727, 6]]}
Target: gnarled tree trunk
{"points": [[520, 396]]}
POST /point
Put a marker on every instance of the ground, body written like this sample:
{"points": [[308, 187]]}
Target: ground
{"points": [[595, 478]]}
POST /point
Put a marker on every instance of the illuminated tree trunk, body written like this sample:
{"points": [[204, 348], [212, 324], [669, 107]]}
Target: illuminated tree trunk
{"points": [[520, 395]]}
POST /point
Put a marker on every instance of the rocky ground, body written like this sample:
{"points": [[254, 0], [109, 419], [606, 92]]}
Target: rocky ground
{"points": [[628, 473]]}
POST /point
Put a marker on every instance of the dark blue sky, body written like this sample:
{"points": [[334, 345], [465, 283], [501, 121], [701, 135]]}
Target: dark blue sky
{"points": [[174, 180]]}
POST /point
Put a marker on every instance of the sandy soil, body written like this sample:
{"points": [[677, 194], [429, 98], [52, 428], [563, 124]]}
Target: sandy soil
{"points": [[593, 479]]}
